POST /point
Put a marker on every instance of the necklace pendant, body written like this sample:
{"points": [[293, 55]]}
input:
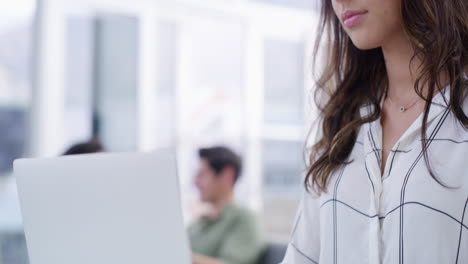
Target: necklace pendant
{"points": [[402, 109]]}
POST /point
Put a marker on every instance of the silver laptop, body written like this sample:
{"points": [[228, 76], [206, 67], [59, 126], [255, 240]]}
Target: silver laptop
{"points": [[102, 209]]}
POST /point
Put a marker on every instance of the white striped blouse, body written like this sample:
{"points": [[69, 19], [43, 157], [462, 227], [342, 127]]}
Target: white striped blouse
{"points": [[403, 216]]}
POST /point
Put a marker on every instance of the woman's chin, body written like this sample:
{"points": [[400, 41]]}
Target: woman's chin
{"points": [[365, 43]]}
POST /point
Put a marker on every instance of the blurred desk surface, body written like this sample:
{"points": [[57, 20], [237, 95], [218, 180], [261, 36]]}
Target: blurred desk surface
{"points": [[10, 220]]}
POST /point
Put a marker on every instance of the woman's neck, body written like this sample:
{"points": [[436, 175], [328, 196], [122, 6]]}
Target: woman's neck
{"points": [[402, 69]]}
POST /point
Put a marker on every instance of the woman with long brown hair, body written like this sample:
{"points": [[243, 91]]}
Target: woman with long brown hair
{"points": [[388, 175]]}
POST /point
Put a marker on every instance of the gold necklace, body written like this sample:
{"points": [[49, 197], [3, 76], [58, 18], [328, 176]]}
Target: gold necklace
{"points": [[402, 107]]}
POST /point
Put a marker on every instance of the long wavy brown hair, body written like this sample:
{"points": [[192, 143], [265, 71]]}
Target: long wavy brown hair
{"points": [[351, 78]]}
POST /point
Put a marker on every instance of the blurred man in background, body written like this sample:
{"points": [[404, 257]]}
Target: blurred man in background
{"points": [[225, 233], [91, 146]]}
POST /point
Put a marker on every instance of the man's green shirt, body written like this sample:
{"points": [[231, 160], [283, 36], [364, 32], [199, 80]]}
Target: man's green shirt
{"points": [[234, 237]]}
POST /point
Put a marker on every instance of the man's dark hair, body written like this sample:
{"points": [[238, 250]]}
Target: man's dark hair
{"points": [[91, 146], [220, 158]]}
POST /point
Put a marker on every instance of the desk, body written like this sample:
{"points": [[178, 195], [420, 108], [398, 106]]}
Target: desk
{"points": [[12, 243]]}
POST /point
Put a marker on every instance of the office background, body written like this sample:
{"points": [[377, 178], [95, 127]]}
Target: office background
{"points": [[141, 75]]}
